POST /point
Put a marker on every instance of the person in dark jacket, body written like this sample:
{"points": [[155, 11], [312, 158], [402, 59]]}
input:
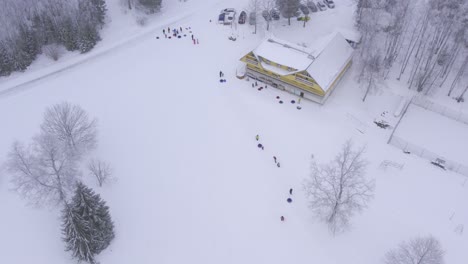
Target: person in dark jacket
{"points": [[290, 191], [274, 158], [282, 218]]}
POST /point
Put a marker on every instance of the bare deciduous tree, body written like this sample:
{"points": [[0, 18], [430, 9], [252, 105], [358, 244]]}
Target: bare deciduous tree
{"points": [[338, 190], [43, 172], [421, 250], [101, 170], [70, 125]]}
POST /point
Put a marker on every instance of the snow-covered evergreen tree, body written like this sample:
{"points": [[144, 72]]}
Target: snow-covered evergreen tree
{"points": [[151, 5], [91, 208], [288, 8], [5, 61], [99, 10], [77, 234]]}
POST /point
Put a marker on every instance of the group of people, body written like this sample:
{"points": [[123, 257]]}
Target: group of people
{"points": [[275, 159], [178, 33]]}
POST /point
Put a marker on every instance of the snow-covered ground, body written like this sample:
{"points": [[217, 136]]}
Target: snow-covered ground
{"points": [[192, 185], [421, 127]]}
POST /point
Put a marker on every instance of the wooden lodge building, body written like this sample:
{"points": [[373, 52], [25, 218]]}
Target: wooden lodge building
{"points": [[311, 73]]}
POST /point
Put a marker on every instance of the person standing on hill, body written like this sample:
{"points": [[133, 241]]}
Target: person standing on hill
{"points": [[257, 137]]}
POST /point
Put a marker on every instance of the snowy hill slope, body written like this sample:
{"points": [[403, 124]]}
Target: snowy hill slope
{"points": [[192, 184]]}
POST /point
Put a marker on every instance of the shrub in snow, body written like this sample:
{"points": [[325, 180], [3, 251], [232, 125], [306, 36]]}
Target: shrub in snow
{"points": [[53, 51], [100, 170]]}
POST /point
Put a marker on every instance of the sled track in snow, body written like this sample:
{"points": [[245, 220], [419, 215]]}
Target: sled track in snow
{"points": [[100, 53]]}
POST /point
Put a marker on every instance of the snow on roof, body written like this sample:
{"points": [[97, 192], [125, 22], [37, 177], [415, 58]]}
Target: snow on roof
{"points": [[331, 61], [284, 53], [324, 61], [351, 35]]}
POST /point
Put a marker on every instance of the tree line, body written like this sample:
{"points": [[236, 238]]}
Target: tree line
{"points": [[33, 24], [33, 27], [424, 43]]}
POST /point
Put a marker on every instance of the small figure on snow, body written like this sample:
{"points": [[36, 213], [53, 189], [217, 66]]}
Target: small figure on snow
{"points": [[260, 146], [180, 29], [289, 200], [199, 43], [282, 218], [278, 164], [220, 74], [256, 84], [290, 191], [257, 137], [164, 31], [274, 158]]}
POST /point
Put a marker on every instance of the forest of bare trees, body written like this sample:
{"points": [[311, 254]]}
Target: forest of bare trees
{"points": [[421, 43]]}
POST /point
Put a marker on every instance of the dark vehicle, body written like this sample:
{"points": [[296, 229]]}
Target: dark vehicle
{"points": [[321, 6], [311, 5], [275, 14], [329, 3], [304, 9], [227, 10], [252, 18], [221, 18], [242, 17], [266, 15]]}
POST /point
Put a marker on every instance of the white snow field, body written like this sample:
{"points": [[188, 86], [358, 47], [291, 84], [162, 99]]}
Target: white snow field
{"points": [[192, 185], [421, 127]]}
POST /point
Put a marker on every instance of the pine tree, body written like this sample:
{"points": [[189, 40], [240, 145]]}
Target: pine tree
{"points": [[288, 8], [28, 43], [77, 235], [67, 34], [99, 10], [88, 37], [151, 5], [6, 63], [89, 205]]}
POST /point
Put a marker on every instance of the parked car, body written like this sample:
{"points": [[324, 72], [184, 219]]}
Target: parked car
{"points": [[311, 5], [304, 9], [329, 3], [321, 6], [266, 15], [229, 17], [221, 18], [252, 18], [275, 14], [242, 17], [227, 10]]}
